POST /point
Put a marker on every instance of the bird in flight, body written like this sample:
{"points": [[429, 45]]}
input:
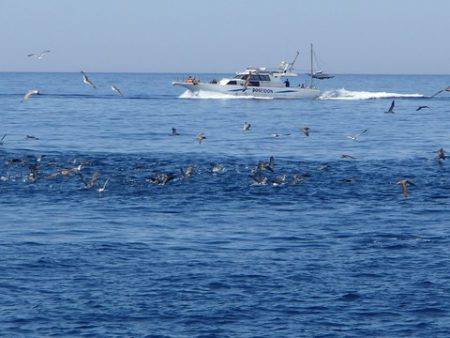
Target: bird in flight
{"points": [[404, 183], [356, 137], [40, 55], [422, 107], [103, 187], [246, 126], [29, 94], [174, 132], [116, 90], [2, 140], [350, 157], [87, 81], [391, 108]]}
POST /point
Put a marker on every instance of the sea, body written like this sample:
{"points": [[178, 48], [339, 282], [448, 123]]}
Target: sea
{"points": [[313, 245]]}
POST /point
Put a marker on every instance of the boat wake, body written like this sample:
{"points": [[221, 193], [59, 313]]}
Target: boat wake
{"points": [[214, 95], [343, 94]]}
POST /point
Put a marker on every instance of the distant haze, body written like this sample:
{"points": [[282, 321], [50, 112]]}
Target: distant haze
{"points": [[351, 36]]}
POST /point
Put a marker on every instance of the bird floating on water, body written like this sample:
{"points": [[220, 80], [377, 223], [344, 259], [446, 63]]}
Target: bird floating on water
{"points": [[305, 130], [88, 184], [217, 168], [174, 132], [87, 81], [441, 154], [391, 108], [404, 183], [266, 165], [200, 137], [31, 137], [116, 90], [356, 137], [29, 94], [40, 55]]}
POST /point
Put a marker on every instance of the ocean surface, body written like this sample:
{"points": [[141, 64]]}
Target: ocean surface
{"points": [[332, 248]]}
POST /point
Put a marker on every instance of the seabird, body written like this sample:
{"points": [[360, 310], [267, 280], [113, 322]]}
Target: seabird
{"points": [[217, 168], [188, 172], [391, 108], [266, 165], [404, 183], [305, 130], [200, 137], [246, 126], [87, 81], [29, 94], [174, 132], [31, 137], [40, 55], [323, 167], [348, 157], [2, 140], [88, 184], [422, 107], [275, 135], [116, 90], [33, 174], [297, 178], [279, 180], [441, 154], [161, 178], [103, 187], [259, 180], [355, 137]]}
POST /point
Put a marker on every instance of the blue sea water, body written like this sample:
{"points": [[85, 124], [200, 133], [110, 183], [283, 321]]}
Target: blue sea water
{"points": [[340, 253]]}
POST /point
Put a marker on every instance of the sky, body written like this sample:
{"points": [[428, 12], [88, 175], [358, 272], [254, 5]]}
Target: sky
{"points": [[350, 36]]}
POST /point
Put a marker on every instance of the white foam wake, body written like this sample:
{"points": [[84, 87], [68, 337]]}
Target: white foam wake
{"points": [[214, 95], [343, 94]]}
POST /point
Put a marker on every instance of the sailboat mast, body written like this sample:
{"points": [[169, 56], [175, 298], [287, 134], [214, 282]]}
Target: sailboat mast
{"points": [[312, 67]]}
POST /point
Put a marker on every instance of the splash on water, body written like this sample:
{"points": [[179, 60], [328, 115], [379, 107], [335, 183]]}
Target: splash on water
{"points": [[343, 94], [202, 94]]}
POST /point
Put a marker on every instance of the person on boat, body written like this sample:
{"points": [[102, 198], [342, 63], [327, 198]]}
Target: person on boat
{"points": [[189, 79], [287, 83]]}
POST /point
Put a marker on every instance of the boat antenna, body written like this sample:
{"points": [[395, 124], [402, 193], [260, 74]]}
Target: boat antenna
{"points": [[291, 65], [312, 67]]}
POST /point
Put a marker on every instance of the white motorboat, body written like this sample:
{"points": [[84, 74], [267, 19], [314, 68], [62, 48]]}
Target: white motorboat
{"points": [[256, 82]]}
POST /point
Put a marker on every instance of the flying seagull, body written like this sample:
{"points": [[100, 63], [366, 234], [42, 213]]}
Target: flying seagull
{"points": [[174, 132], [422, 107], [29, 94], [404, 183], [40, 55], [441, 91], [116, 90], [355, 137], [391, 108], [87, 81]]}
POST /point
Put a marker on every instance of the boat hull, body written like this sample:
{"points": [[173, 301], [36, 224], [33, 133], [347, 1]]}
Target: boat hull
{"points": [[257, 92]]}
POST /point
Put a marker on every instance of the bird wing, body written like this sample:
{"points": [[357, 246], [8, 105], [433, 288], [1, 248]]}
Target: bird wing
{"points": [[3, 137], [391, 108]]}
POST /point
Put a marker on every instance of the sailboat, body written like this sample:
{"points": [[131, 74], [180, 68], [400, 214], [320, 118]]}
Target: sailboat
{"points": [[319, 75]]}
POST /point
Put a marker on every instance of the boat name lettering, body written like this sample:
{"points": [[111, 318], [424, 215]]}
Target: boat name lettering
{"points": [[262, 90]]}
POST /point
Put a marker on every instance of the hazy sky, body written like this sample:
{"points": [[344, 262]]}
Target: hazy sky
{"points": [[351, 36]]}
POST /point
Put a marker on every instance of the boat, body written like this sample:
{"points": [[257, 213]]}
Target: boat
{"points": [[256, 82], [319, 75]]}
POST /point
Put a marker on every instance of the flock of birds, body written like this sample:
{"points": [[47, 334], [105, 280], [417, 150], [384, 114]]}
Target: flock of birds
{"points": [[162, 178]]}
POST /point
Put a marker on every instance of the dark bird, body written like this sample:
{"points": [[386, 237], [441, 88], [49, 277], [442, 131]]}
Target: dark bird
{"points": [[305, 130], [31, 137], [404, 183], [188, 172], [87, 81], [246, 126], [88, 184], [2, 140], [279, 180], [161, 178], [174, 132], [441, 154], [259, 180], [346, 156], [116, 90], [391, 108], [422, 107], [266, 165]]}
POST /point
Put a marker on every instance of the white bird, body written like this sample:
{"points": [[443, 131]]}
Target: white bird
{"points": [[246, 126], [116, 90], [29, 94], [40, 55], [200, 137], [356, 137], [391, 108], [103, 187], [87, 81]]}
